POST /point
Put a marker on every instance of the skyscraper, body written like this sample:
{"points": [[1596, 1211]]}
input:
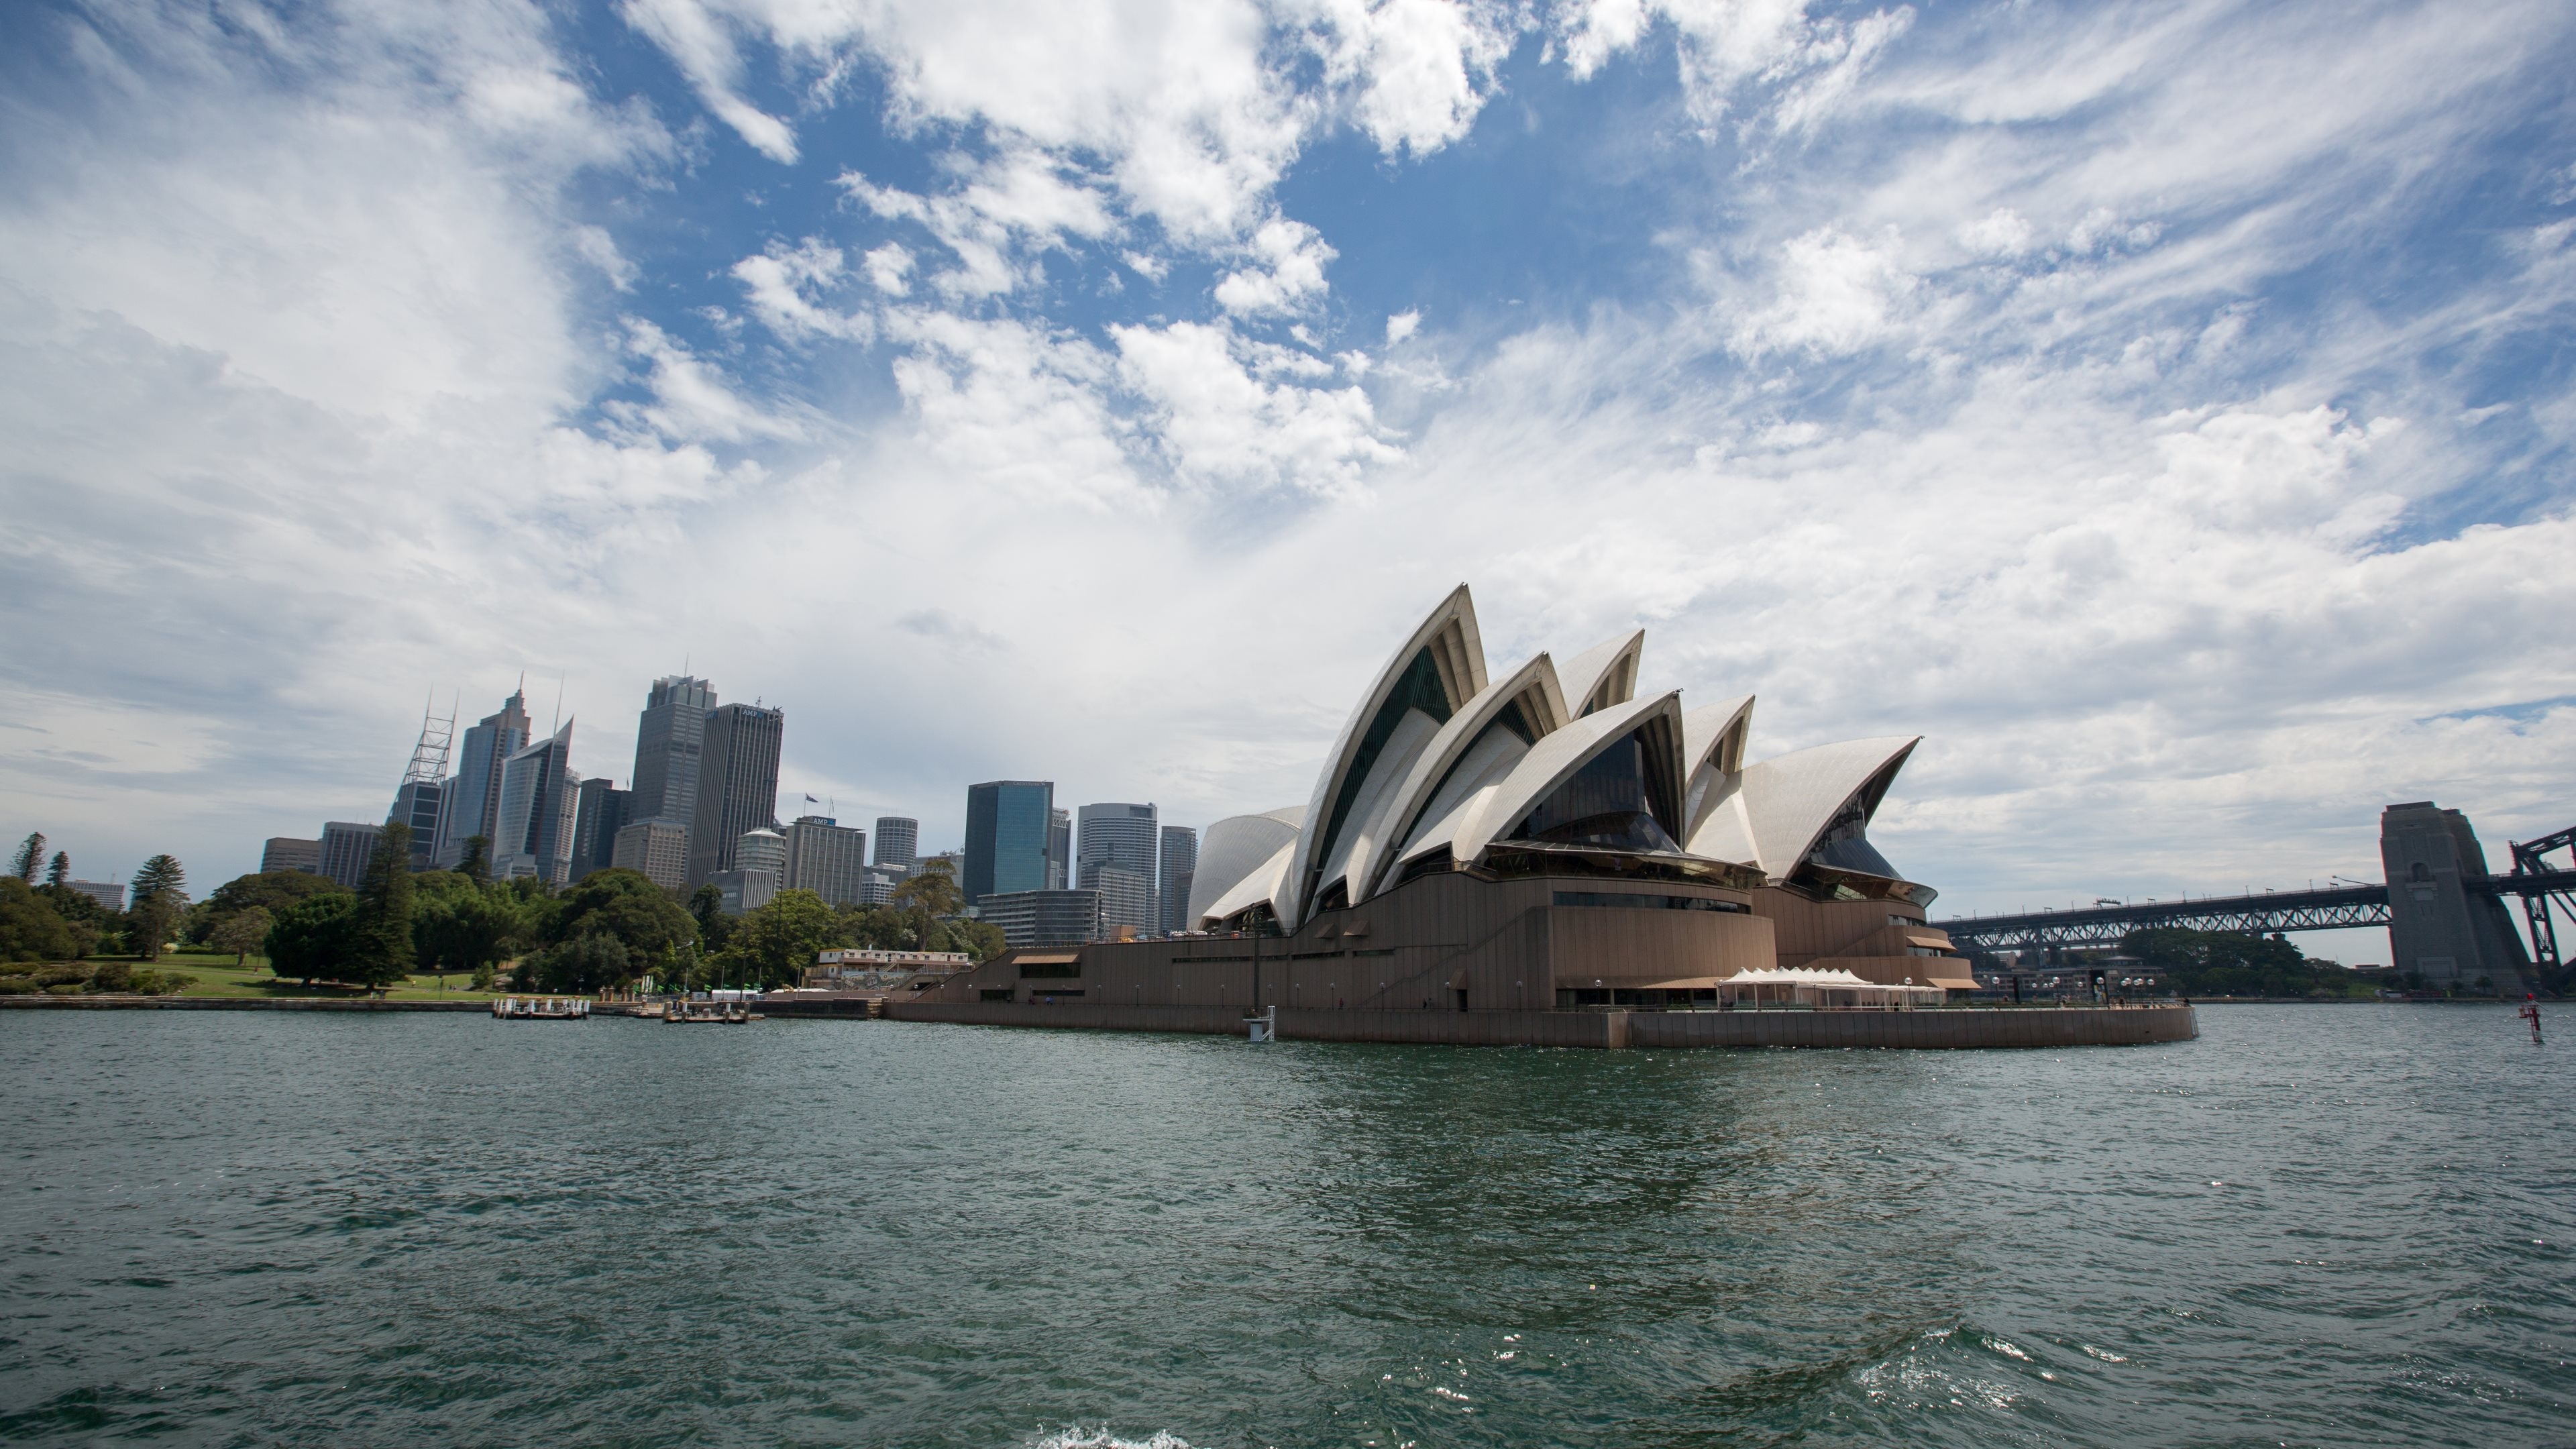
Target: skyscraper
{"points": [[418, 804], [826, 858], [737, 784], [475, 805], [421, 801], [1006, 837], [898, 841], [669, 738], [1126, 899], [658, 850], [1059, 849], [539, 804], [601, 814], [1124, 836], [1179, 864], [346, 848]]}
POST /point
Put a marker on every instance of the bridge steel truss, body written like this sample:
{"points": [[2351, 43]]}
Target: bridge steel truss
{"points": [[2094, 927], [2099, 926], [2531, 868]]}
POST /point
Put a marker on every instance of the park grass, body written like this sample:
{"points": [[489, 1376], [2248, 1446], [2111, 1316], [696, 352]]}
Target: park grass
{"points": [[218, 976]]}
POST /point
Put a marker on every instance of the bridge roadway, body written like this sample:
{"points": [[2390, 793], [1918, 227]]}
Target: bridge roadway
{"points": [[2312, 910]]}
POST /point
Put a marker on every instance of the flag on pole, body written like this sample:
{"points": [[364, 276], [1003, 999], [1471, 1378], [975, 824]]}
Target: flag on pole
{"points": [[810, 800]]}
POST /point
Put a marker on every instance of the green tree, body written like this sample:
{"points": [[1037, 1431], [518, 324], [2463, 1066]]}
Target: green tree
{"points": [[91, 922], [928, 895], [464, 927], [30, 930], [714, 926], [241, 932], [31, 854], [980, 939], [275, 890], [310, 939], [380, 946], [477, 864], [582, 965], [160, 895], [626, 905], [773, 945], [61, 870]]}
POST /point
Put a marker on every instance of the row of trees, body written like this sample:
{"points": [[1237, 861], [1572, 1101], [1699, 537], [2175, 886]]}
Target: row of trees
{"points": [[611, 929], [53, 922], [2226, 963]]}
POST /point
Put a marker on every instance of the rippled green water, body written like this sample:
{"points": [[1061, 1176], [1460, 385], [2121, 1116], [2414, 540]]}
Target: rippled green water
{"points": [[2314, 1225]]}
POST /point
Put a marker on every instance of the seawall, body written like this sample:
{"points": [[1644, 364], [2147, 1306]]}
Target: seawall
{"points": [[2081, 1026], [228, 1003]]}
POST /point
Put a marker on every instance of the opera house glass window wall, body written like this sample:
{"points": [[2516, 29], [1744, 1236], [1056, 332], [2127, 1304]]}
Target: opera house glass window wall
{"points": [[1532, 840]]}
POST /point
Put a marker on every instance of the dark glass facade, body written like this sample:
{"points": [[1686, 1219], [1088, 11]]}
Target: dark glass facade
{"points": [[1603, 806], [1008, 823]]}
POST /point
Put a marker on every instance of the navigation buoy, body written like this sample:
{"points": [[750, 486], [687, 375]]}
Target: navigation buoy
{"points": [[2531, 1013]]}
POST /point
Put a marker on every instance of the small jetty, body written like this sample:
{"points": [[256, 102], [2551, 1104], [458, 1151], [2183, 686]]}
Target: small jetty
{"points": [[541, 1008], [690, 1013]]}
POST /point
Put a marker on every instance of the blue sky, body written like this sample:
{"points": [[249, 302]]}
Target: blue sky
{"points": [[2162, 408]]}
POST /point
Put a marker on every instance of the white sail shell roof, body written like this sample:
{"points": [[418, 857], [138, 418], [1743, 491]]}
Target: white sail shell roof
{"points": [[1232, 850], [1713, 741], [1457, 654], [1770, 815], [1258, 888], [1603, 675], [1553, 761], [1443, 765]]}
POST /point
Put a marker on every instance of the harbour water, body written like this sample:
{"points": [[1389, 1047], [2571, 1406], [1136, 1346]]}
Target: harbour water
{"points": [[2314, 1225]]}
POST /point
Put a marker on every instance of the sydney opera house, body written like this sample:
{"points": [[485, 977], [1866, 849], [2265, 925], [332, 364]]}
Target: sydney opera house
{"points": [[1546, 840]]}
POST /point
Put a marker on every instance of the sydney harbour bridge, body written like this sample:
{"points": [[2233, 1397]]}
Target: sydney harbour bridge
{"points": [[2446, 913]]}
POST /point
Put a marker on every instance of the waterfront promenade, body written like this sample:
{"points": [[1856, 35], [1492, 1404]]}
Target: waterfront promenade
{"points": [[1958, 1027]]}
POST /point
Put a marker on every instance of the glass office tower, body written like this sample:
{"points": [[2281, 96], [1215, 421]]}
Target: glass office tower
{"points": [[1007, 825]]}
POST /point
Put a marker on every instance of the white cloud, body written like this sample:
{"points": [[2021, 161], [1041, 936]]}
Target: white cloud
{"points": [[704, 50], [778, 281], [692, 402], [890, 268], [1219, 419], [1402, 325], [1836, 294], [1419, 70], [1288, 271]]}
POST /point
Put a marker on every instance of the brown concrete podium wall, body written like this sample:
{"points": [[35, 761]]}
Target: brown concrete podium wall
{"points": [[2133, 1026]]}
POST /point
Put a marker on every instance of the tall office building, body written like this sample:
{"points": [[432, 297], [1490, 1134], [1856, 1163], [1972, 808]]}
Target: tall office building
{"points": [[1126, 899], [596, 821], [540, 801], [1059, 849], [657, 850], [1179, 864], [827, 858], [1045, 918], [898, 841], [1124, 836], [474, 807], [288, 852], [346, 848], [421, 800], [737, 784], [1006, 837], [762, 850], [670, 739], [417, 804]]}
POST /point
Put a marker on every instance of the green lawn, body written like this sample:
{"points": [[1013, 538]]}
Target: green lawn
{"points": [[217, 976]]}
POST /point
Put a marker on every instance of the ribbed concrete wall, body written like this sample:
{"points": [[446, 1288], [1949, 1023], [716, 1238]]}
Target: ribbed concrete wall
{"points": [[1927, 1029]]}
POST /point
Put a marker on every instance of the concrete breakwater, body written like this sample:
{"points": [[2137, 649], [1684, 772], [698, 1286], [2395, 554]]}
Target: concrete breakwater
{"points": [[2028, 1027], [230, 1003]]}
